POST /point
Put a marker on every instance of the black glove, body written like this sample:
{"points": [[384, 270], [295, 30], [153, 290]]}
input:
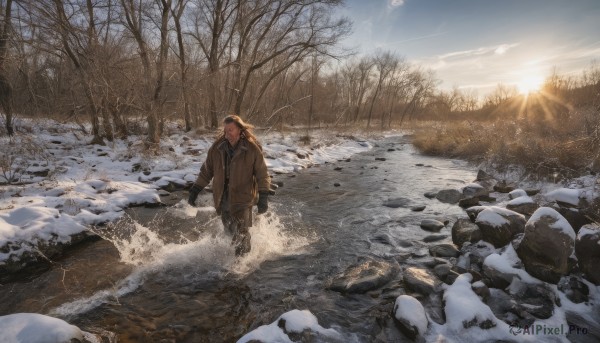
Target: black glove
{"points": [[194, 191], [262, 204]]}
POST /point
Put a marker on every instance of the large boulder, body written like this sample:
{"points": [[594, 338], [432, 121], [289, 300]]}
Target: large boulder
{"points": [[464, 230], [523, 204], [575, 216], [420, 281], [536, 299], [499, 226], [547, 246], [363, 277], [410, 316], [587, 250]]}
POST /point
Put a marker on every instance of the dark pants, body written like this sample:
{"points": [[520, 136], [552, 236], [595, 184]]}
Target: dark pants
{"points": [[237, 224]]}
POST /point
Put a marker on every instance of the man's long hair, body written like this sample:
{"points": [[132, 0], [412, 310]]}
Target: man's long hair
{"points": [[243, 126]]}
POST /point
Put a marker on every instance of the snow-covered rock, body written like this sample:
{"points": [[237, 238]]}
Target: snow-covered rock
{"points": [[292, 322], [587, 250], [37, 328], [464, 309], [573, 197], [500, 269], [517, 193], [410, 316], [548, 245], [523, 204], [499, 226]]}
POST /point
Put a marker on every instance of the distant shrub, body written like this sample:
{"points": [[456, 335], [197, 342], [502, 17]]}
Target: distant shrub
{"points": [[543, 148], [17, 155]]}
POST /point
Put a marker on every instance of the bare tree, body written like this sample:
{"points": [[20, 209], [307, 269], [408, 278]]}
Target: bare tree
{"points": [[385, 63], [279, 33], [213, 30], [5, 86], [396, 87], [422, 84], [78, 44], [357, 76], [154, 77], [177, 13]]}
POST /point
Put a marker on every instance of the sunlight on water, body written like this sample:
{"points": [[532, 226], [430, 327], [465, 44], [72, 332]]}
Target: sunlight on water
{"points": [[211, 255]]}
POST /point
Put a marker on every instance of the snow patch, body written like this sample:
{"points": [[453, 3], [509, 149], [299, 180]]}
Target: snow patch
{"points": [[36, 328]]}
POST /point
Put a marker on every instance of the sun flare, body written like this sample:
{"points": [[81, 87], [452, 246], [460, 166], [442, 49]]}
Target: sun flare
{"points": [[529, 84]]}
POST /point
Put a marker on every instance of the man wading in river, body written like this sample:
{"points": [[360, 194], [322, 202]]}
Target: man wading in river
{"points": [[240, 180]]}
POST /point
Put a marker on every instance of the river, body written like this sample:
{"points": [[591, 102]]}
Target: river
{"points": [[163, 274]]}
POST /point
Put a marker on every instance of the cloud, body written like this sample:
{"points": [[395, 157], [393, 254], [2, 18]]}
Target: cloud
{"points": [[488, 50], [395, 3]]}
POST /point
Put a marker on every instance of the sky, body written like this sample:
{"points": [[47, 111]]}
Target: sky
{"points": [[481, 43]]}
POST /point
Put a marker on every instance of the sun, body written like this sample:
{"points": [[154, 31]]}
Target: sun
{"points": [[530, 84]]}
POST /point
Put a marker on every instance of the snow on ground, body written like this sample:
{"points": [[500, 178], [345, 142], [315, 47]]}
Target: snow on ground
{"points": [[93, 184]]}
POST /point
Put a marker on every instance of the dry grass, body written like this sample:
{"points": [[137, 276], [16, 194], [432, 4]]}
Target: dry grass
{"points": [[567, 148]]}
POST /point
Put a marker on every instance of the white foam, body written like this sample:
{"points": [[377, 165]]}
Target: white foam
{"points": [[148, 253]]}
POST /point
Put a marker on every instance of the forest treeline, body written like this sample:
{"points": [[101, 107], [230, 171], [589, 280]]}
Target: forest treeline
{"points": [[122, 64], [114, 62]]}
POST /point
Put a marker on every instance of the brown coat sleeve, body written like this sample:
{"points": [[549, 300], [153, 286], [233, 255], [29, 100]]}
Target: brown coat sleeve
{"points": [[207, 170], [261, 172]]}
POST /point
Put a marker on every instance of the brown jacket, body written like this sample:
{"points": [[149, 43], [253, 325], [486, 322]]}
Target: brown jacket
{"points": [[248, 174]]}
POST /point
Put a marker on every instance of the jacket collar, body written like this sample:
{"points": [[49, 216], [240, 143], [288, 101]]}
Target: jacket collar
{"points": [[242, 144]]}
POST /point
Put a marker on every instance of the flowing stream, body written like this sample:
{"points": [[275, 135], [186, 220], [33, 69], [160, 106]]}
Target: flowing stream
{"points": [[170, 275]]}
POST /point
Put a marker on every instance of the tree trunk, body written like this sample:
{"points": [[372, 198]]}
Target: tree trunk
{"points": [[5, 87]]}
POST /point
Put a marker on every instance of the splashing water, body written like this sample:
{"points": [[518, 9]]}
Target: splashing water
{"points": [[211, 255]]}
